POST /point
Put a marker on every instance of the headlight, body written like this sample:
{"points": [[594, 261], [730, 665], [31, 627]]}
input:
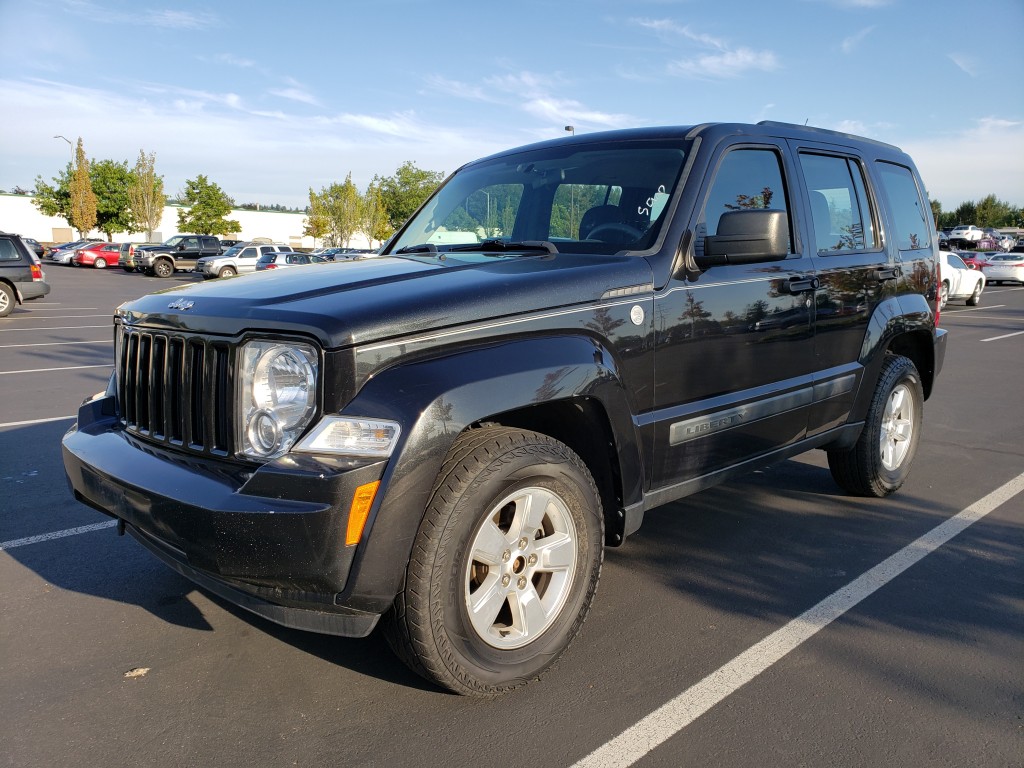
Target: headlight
{"points": [[278, 396], [347, 436]]}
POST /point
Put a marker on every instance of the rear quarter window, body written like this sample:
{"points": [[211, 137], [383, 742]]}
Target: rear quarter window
{"points": [[9, 251], [907, 207]]}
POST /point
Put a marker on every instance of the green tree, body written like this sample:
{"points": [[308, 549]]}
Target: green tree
{"points": [[374, 222], [110, 184], [993, 212], [82, 212], [966, 213], [55, 199], [316, 224], [340, 205], [146, 198], [207, 207], [406, 190]]}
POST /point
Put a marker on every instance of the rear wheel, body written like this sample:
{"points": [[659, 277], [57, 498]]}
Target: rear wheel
{"points": [[7, 299], [100, 263], [880, 461], [975, 297], [505, 564]]}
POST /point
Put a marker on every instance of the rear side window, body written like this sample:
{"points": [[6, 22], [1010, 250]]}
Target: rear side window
{"points": [[908, 209], [839, 206], [8, 251]]}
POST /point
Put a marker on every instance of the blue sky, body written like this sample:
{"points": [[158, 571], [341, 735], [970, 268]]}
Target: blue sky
{"points": [[268, 99]]}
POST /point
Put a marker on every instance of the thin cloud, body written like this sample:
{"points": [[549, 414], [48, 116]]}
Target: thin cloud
{"points": [[965, 63], [164, 18], [723, 61], [296, 94], [722, 66], [235, 61], [853, 41]]}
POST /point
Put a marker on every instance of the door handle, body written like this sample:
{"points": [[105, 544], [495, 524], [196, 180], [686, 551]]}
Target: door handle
{"points": [[801, 284], [890, 273]]}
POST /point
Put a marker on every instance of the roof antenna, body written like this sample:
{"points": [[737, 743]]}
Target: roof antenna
{"points": [[806, 121]]}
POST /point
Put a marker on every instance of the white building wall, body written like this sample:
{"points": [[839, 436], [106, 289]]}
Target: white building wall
{"points": [[18, 214]]}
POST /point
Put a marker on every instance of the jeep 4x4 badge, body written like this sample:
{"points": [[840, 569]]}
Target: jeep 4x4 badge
{"points": [[181, 304]]}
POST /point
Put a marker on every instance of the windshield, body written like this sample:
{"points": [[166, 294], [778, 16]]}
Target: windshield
{"points": [[591, 198], [174, 240]]}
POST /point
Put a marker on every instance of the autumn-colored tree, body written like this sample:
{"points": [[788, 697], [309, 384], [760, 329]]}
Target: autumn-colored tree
{"points": [[315, 224], [82, 210], [374, 221], [146, 198]]}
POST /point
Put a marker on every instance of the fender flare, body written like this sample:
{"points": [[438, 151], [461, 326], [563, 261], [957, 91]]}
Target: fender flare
{"points": [[435, 400]]}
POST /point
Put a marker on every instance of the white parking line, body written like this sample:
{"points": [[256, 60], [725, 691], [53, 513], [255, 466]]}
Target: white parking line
{"points": [[665, 722], [36, 421], [947, 312], [28, 316], [66, 368], [55, 535], [56, 327], [53, 344], [1004, 336]]}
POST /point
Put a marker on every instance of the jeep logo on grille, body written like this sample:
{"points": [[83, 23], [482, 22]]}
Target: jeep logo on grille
{"points": [[181, 304]]}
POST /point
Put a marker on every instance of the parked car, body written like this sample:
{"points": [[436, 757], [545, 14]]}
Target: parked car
{"points": [[1004, 267], [967, 234], [179, 252], [62, 254], [98, 255], [960, 281], [35, 245], [126, 257], [446, 437], [976, 259], [345, 254], [21, 274], [237, 260], [226, 244], [287, 259]]}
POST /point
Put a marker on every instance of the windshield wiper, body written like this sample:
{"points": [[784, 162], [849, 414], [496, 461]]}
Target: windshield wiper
{"points": [[421, 248], [501, 245]]}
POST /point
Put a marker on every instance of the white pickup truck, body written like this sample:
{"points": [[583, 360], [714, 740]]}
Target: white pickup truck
{"points": [[236, 260]]}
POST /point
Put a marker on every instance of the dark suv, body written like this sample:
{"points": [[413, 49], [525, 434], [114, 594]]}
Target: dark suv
{"points": [[180, 252], [563, 337], [21, 274]]}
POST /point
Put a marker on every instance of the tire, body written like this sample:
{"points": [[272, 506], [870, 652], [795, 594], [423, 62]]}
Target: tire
{"points": [[975, 298], [943, 294], [7, 299], [100, 263], [477, 548], [227, 272], [163, 268], [880, 461]]}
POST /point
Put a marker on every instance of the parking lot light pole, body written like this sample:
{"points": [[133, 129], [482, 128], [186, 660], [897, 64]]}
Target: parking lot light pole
{"points": [[72, 146]]}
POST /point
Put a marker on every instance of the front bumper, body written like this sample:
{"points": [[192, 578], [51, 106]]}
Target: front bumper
{"points": [[270, 540]]}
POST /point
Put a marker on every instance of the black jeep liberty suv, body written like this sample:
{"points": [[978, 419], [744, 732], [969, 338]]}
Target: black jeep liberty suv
{"points": [[563, 337]]}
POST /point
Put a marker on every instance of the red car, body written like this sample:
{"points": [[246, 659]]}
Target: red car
{"points": [[976, 259], [99, 255]]}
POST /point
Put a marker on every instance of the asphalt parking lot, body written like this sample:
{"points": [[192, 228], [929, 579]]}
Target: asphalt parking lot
{"points": [[770, 621]]}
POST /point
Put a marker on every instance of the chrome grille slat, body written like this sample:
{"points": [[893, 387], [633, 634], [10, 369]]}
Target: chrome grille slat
{"points": [[177, 390]]}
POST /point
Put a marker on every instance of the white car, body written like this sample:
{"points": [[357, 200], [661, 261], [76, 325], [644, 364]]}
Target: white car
{"points": [[970, 233], [1004, 266], [959, 281]]}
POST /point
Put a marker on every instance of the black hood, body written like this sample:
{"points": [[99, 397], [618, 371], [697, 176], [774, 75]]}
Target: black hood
{"points": [[350, 303]]}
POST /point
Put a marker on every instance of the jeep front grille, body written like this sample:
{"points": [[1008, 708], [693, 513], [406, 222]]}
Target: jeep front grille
{"points": [[177, 389]]}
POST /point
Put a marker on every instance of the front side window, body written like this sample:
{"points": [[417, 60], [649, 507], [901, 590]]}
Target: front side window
{"points": [[840, 208], [746, 178], [913, 229]]}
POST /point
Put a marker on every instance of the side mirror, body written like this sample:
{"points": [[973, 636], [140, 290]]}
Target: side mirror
{"points": [[747, 237]]}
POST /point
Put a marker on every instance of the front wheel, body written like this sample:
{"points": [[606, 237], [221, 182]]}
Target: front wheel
{"points": [[505, 564], [880, 461], [163, 268], [227, 272], [943, 295]]}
